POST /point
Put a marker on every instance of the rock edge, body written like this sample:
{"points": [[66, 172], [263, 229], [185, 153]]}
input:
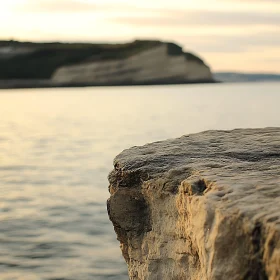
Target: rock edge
{"points": [[202, 206]]}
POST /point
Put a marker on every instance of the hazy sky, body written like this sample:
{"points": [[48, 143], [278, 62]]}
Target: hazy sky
{"points": [[229, 34]]}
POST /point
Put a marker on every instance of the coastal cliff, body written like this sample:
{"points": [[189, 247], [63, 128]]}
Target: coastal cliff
{"points": [[158, 63], [76, 64], [202, 206]]}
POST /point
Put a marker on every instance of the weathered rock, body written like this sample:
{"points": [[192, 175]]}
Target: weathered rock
{"points": [[203, 206]]}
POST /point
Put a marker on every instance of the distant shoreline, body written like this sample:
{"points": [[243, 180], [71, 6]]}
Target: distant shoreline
{"points": [[25, 84]]}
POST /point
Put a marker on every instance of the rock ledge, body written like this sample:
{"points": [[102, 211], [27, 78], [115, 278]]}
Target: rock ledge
{"points": [[202, 206]]}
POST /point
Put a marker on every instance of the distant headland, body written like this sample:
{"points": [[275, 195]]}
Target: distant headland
{"points": [[26, 64]]}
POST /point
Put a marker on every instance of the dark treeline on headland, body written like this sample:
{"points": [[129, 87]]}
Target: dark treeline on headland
{"points": [[26, 60]]}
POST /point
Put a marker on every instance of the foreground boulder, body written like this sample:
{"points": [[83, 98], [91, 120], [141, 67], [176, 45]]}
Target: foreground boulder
{"points": [[203, 206]]}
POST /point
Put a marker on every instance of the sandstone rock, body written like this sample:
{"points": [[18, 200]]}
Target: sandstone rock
{"points": [[203, 206]]}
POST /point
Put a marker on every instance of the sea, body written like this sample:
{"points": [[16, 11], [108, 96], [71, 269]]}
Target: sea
{"points": [[57, 147]]}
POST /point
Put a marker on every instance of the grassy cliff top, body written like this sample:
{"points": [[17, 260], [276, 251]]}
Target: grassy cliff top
{"points": [[27, 60]]}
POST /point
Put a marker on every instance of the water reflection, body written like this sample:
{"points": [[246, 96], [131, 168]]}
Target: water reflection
{"points": [[57, 147]]}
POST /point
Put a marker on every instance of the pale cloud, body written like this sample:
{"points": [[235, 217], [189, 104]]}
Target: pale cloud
{"points": [[225, 33], [250, 61], [256, 1], [144, 6], [232, 43], [56, 6], [203, 17], [77, 6]]}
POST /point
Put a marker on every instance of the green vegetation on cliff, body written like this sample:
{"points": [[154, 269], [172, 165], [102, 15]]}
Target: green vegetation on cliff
{"points": [[25, 60]]}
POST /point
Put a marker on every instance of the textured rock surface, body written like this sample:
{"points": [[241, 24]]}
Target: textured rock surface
{"points": [[203, 206]]}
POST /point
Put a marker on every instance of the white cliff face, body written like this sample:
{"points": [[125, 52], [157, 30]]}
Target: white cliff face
{"points": [[147, 66], [197, 71], [203, 206]]}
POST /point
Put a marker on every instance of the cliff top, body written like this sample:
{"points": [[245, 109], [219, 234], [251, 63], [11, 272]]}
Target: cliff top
{"points": [[245, 162]]}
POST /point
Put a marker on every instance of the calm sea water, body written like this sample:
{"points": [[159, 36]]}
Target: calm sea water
{"points": [[57, 147]]}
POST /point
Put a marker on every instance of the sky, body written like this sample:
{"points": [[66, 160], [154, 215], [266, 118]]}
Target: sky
{"points": [[230, 35]]}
